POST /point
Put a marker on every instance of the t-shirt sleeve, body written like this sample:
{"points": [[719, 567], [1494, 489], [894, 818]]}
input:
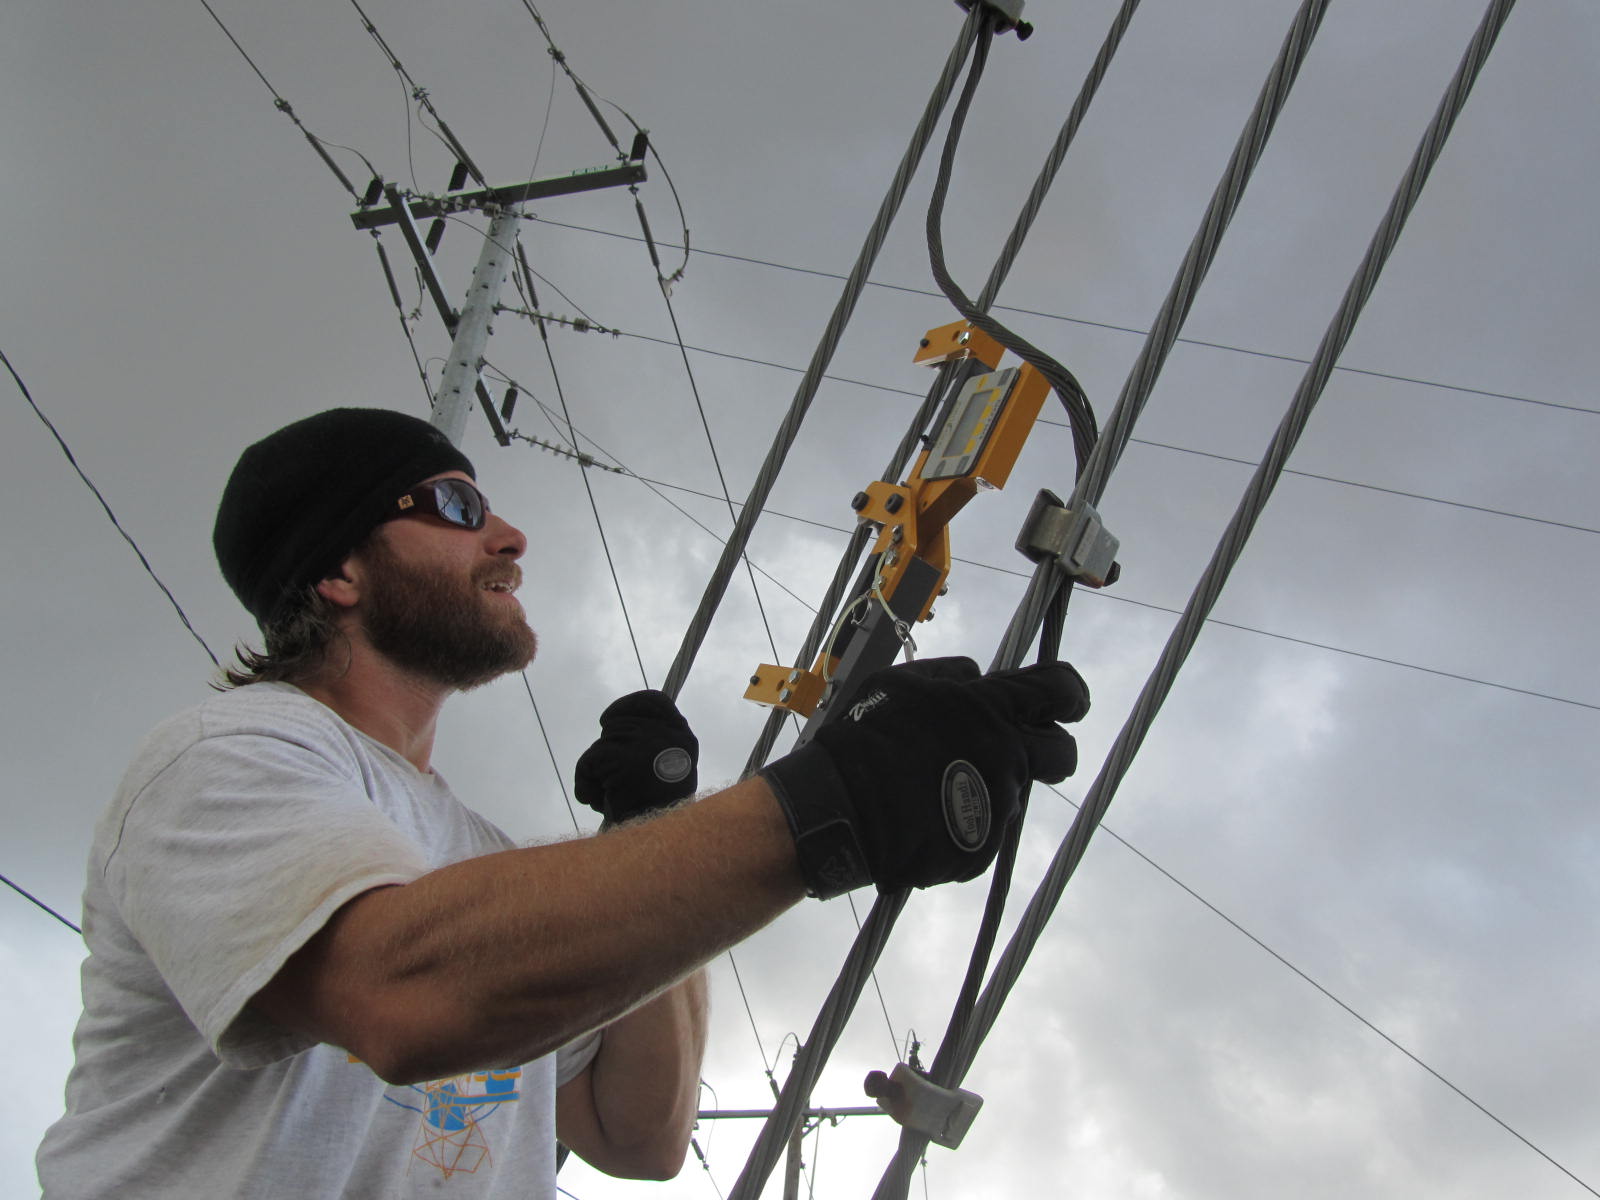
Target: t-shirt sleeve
{"points": [[230, 858], [577, 1054]]}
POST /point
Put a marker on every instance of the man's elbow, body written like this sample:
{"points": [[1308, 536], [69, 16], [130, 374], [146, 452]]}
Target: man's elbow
{"points": [[655, 1161]]}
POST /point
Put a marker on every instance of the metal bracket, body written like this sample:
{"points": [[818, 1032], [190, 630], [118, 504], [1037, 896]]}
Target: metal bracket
{"points": [[1086, 549], [918, 1103]]}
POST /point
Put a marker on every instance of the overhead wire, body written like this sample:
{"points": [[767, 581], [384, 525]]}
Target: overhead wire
{"points": [[1327, 993], [1084, 321], [283, 106], [27, 895], [655, 486], [1120, 598], [72, 461], [1137, 441], [420, 95]]}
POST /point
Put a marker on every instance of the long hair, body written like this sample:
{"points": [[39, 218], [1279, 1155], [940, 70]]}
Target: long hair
{"points": [[297, 644]]}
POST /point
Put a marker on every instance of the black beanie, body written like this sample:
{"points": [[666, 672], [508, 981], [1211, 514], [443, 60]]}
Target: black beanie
{"points": [[301, 499]]}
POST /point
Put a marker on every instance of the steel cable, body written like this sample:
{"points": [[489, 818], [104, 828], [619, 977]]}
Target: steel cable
{"points": [[874, 933], [1209, 587], [717, 585], [1174, 311]]}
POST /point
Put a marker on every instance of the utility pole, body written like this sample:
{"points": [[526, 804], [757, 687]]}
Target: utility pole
{"points": [[469, 328]]}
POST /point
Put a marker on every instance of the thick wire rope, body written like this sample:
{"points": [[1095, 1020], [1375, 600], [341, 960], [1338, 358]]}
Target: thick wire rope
{"points": [[1226, 554], [717, 585], [874, 932], [111, 516], [1057, 155], [1084, 321], [1093, 477], [1049, 588]]}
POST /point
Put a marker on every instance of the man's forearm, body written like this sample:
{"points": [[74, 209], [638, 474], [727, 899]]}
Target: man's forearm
{"points": [[633, 1113], [500, 959]]}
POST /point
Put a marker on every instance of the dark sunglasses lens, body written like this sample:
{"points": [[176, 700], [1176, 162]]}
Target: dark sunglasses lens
{"points": [[459, 503]]}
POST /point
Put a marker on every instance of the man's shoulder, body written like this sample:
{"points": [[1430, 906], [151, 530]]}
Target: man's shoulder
{"points": [[276, 711], [272, 709]]}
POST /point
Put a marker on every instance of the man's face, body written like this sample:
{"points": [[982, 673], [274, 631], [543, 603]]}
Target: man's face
{"points": [[437, 602]]}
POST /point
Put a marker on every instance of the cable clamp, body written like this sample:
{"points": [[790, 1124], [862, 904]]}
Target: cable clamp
{"points": [[1007, 16], [1077, 539], [918, 1103]]}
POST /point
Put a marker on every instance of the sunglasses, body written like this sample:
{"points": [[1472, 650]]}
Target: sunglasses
{"points": [[454, 501]]}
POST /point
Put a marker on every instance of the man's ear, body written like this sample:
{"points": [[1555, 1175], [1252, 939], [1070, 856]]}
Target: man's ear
{"points": [[343, 587]]}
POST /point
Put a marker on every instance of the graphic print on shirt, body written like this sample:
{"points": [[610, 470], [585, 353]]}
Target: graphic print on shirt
{"points": [[451, 1111]]}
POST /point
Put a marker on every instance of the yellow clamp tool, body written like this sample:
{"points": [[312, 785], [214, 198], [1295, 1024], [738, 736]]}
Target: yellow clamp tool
{"points": [[975, 447]]}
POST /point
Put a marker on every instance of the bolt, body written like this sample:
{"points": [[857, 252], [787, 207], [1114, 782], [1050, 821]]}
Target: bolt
{"points": [[924, 343], [754, 679], [898, 535], [858, 501], [894, 502], [945, 590]]}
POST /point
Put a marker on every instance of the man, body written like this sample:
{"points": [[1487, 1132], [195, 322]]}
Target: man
{"points": [[314, 973]]}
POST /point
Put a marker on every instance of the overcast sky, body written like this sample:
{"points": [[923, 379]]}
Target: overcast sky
{"points": [[1381, 761]]}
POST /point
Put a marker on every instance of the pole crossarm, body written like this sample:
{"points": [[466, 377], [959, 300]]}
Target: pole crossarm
{"points": [[588, 180]]}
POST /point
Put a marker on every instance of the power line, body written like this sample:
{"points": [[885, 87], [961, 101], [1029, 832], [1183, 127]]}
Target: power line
{"points": [[23, 892], [1122, 599], [1371, 487], [623, 469], [1348, 1008], [117, 525], [1092, 324], [282, 106]]}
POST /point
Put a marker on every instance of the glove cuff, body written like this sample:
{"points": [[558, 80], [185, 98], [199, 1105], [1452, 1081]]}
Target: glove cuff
{"points": [[816, 803]]}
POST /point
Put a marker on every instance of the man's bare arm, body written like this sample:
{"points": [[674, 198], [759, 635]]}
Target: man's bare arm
{"points": [[500, 959], [632, 1111]]}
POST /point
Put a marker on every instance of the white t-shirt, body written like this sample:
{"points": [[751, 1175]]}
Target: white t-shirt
{"points": [[242, 825]]}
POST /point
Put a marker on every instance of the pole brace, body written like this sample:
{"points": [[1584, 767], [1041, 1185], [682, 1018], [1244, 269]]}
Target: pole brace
{"points": [[918, 1103], [1076, 538]]}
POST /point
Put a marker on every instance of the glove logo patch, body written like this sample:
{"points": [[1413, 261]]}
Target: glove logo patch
{"points": [[672, 765], [862, 707], [966, 805]]}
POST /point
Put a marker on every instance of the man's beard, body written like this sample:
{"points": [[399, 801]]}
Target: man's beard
{"points": [[439, 628]]}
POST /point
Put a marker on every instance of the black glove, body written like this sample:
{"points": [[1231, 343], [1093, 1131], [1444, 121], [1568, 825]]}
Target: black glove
{"points": [[643, 760], [915, 783]]}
